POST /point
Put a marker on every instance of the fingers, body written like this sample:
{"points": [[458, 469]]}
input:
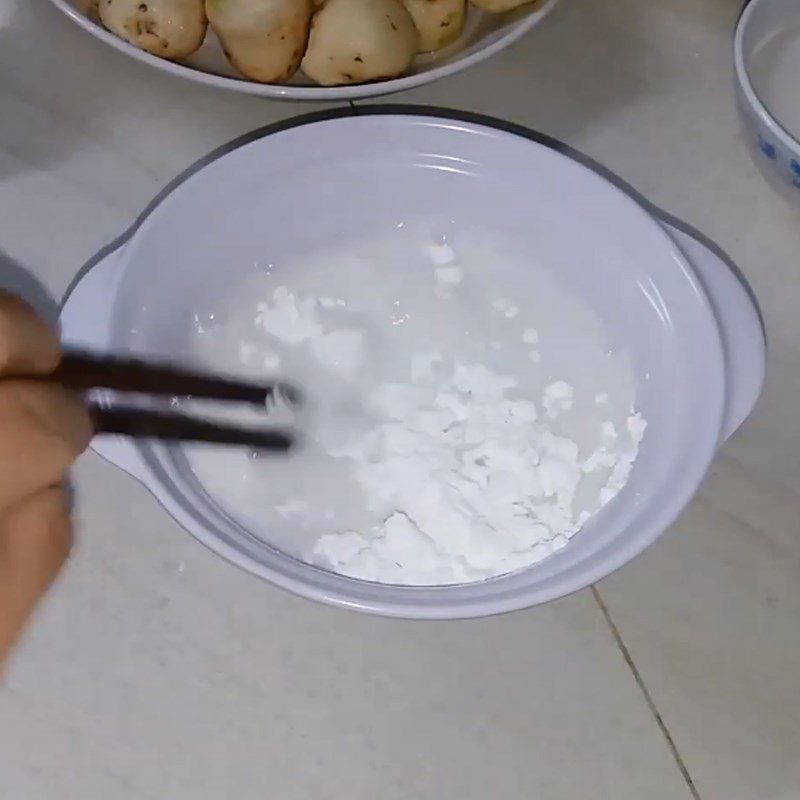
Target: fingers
{"points": [[27, 345], [35, 540], [43, 429]]}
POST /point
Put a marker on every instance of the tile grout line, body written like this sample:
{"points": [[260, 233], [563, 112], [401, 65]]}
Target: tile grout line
{"points": [[673, 748], [637, 676]]}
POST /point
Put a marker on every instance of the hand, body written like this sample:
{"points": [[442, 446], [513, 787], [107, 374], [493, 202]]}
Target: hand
{"points": [[43, 428]]}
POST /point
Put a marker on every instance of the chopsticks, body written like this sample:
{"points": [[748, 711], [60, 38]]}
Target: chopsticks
{"points": [[83, 371], [176, 427]]}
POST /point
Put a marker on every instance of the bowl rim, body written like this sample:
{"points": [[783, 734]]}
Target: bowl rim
{"points": [[410, 602], [308, 93], [746, 85]]}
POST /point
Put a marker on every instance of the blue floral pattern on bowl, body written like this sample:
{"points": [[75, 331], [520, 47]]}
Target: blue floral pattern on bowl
{"points": [[795, 166], [779, 163], [767, 148]]}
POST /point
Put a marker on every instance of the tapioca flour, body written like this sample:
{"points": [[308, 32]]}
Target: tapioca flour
{"points": [[468, 415]]}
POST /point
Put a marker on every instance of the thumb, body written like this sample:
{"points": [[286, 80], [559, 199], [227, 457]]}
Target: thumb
{"points": [[35, 540]]}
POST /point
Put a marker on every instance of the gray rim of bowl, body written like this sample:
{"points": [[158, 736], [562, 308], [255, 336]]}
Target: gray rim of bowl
{"points": [[279, 92], [743, 77]]}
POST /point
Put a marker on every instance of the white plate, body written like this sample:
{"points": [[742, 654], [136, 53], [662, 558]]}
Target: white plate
{"points": [[484, 35]]}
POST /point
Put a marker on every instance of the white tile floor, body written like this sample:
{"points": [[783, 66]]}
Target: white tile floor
{"points": [[157, 671]]}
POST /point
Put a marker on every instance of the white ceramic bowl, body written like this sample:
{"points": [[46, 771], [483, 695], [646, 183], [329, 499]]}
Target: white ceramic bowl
{"points": [[775, 150], [484, 35], [693, 330]]}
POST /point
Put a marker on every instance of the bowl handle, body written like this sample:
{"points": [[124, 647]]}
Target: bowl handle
{"points": [[86, 319], [740, 324]]}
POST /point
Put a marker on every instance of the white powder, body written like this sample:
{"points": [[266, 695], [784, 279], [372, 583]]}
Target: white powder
{"points": [[530, 336], [505, 307], [502, 304], [295, 321], [480, 486], [440, 254], [287, 319], [332, 302], [469, 459], [558, 398], [449, 276]]}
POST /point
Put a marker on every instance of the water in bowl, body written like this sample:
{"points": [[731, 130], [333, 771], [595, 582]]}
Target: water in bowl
{"points": [[345, 323], [775, 74]]}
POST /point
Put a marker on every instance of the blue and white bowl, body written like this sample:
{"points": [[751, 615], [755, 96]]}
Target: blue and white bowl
{"points": [[775, 150]]}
